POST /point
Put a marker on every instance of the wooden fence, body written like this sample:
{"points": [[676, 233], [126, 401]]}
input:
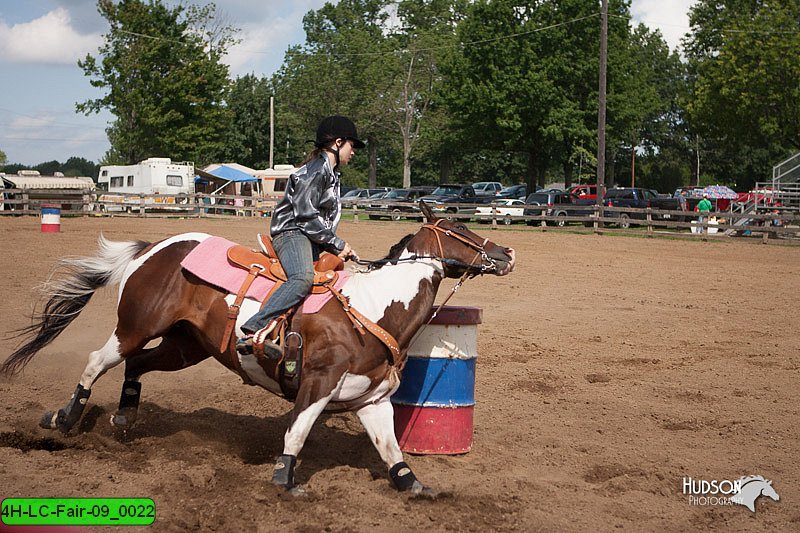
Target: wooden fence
{"points": [[767, 222]]}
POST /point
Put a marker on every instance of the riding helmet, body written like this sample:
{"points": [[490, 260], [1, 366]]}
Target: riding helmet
{"points": [[337, 127]]}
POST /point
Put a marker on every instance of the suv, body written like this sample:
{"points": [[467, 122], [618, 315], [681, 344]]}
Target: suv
{"points": [[397, 202], [483, 188], [553, 204]]}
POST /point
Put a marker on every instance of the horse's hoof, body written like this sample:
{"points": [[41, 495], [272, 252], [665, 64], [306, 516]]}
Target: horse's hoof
{"points": [[421, 491], [48, 420], [124, 418]]}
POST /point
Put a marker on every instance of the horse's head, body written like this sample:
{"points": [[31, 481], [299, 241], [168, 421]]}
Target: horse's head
{"points": [[461, 250], [769, 491]]}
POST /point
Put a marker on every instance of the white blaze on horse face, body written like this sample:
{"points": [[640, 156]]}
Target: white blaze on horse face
{"points": [[139, 261], [373, 292], [101, 361]]}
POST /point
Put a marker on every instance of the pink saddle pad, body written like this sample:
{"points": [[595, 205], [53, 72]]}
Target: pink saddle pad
{"points": [[209, 262]]}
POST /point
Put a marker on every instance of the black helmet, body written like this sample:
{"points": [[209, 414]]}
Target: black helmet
{"points": [[337, 127]]}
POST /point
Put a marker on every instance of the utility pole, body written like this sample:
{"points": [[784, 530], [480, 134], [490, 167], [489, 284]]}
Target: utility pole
{"points": [[601, 112], [271, 128]]}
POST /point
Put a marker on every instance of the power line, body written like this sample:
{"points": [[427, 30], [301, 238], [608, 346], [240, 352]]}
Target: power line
{"points": [[411, 50], [724, 30], [45, 139], [51, 121]]}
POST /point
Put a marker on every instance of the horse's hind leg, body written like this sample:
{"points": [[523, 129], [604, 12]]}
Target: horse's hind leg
{"points": [[100, 362], [176, 351]]}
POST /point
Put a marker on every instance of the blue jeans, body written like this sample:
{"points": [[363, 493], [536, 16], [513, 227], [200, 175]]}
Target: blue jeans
{"points": [[296, 253]]}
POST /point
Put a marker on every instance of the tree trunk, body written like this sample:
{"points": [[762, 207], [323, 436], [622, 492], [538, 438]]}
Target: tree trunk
{"points": [[406, 161], [531, 177], [445, 168], [372, 169]]}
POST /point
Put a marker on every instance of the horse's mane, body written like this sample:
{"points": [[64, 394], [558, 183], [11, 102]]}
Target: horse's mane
{"points": [[748, 479], [394, 252]]}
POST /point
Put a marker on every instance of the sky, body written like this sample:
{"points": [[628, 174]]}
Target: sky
{"points": [[42, 40]]}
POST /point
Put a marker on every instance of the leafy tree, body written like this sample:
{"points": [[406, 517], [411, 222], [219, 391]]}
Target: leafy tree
{"points": [[78, 166], [3, 158], [341, 69], [165, 83], [515, 87], [745, 102], [247, 141]]}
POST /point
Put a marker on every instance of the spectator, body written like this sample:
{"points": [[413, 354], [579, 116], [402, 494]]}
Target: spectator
{"points": [[703, 207]]}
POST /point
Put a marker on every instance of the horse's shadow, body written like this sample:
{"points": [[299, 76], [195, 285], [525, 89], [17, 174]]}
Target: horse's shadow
{"points": [[255, 440]]}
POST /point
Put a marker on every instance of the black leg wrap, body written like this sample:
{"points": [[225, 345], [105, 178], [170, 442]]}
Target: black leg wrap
{"points": [[284, 471], [131, 392], [68, 416], [402, 477]]}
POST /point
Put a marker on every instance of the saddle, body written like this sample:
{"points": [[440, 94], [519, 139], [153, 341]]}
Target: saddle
{"points": [[266, 263], [325, 268]]}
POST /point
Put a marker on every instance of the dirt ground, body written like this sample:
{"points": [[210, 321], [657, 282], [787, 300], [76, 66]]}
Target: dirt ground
{"points": [[610, 368]]}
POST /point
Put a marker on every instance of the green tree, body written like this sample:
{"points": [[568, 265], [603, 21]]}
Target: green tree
{"points": [[3, 158], [164, 82], [247, 141], [745, 102]]}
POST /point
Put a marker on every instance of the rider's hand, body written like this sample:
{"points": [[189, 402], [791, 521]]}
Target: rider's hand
{"points": [[347, 252]]}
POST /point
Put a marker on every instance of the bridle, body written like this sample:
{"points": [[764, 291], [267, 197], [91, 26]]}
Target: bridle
{"points": [[487, 263], [471, 269]]}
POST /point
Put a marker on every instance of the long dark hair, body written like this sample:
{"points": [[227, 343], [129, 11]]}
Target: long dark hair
{"points": [[320, 149]]}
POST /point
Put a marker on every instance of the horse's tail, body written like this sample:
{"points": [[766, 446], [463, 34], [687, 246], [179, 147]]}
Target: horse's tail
{"points": [[68, 293]]}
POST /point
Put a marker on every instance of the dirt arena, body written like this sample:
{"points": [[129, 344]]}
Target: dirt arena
{"points": [[610, 368]]}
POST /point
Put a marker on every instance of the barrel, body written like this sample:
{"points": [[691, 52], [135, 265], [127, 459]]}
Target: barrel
{"points": [[434, 406], [51, 218]]}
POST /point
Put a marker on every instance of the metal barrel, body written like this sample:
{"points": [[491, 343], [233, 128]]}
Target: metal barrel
{"points": [[51, 218], [434, 406]]}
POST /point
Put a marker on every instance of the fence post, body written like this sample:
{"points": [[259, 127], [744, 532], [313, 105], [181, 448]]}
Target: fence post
{"points": [[597, 214], [649, 222], [494, 215], [355, 212]]}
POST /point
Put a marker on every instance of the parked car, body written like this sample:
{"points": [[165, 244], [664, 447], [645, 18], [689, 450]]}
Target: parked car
{"points": [[508, 209], [359, 196], [491, 188], [553, 204], [397, 202], [636, 197], [519, 192], [446, 198]]}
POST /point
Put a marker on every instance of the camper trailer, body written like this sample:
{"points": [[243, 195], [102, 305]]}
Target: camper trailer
{"points": [[153, 176], [274, 180]]}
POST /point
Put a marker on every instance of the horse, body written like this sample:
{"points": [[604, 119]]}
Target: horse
{"points": [[751, 488], [342, 369]]}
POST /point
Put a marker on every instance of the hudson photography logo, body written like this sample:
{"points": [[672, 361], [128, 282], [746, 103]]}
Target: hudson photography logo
{"points": [[743, 491]]}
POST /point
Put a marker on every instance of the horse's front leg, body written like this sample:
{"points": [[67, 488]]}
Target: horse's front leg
{"points": [[378, 420], [315, 392]]}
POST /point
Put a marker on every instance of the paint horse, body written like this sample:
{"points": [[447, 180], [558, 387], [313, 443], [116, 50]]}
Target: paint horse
{"points": [[341, 369]]}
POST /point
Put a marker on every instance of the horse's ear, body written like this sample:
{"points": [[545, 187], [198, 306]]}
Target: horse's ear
{"points": [[426, 210]]}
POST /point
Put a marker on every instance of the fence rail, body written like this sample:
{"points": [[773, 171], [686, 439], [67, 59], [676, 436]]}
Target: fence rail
{"points": [[770, 222]]}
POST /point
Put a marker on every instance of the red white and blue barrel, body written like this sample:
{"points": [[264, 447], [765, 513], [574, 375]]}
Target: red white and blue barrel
{"points": [[434, 406], [51, 218]]}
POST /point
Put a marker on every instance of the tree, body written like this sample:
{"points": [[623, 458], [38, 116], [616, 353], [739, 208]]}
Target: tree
{"points": [[522, 80], [165, 83], [247, 141], [745, 101], [3, 159]]}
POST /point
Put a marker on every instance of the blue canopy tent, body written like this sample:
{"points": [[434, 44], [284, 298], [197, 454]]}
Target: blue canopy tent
{"points": [[222, 176]]}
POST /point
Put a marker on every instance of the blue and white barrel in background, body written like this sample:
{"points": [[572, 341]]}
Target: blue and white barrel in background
{"points": [[434, 406], [51, 218]]}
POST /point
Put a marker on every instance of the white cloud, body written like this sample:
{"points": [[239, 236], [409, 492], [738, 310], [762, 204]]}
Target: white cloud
{"points": [[671, 17], [48, 39], [29, 123]]}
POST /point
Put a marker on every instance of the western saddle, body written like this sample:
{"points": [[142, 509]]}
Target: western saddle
{"points": [[326, 273]]}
